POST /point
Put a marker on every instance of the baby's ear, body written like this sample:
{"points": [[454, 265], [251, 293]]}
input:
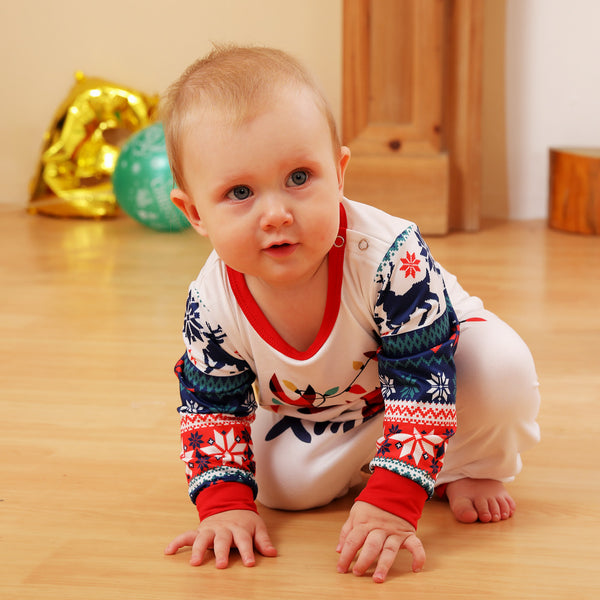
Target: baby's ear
{"points": [[342, 164], [186, 205]]}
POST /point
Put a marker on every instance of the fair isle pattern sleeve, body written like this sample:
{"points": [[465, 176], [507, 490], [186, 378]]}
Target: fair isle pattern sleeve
{"points": [[217, 406], [419, 333]]}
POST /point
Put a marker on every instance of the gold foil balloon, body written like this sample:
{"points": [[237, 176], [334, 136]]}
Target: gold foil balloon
{"points": [[82, 145]]}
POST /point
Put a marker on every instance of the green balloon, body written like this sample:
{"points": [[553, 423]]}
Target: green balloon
{"points": [[142, 181]]}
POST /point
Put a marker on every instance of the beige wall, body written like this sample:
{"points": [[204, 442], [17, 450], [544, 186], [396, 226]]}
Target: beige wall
{"points": [[552, 92], [143, 44]]}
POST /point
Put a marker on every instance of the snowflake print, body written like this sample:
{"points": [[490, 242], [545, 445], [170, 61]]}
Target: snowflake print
{"points": [[186, 456], [225, 447], [440, 387], [418, 445], [195, 440], [383, 446], [436, 466], [190, 407], [249, 403], [387, 387], [202, 462], [410, 265], [394, 429]]}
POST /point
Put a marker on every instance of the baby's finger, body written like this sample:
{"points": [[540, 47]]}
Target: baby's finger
{"points": [[386, 558], [369, 552], [243, 542], [202, 543], [222, 545], [263, 542], [182, 540], [413, 544], [343, 533], [352, 544]]}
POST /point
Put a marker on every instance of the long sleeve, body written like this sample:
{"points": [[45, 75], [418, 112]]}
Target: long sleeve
{"points": [[419, 333], [217, 410]]}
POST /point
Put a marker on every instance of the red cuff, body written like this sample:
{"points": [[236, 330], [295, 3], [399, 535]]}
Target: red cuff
{"points": [[395, 494], [227, 495]]}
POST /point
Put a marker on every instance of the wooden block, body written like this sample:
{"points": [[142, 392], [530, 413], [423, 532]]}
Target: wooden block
{"points": [[574, 194], [412, 187]]}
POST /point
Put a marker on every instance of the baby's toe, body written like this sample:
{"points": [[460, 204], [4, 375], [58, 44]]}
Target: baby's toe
{"points": [[483, 509], [463, 510], [506, 508]]}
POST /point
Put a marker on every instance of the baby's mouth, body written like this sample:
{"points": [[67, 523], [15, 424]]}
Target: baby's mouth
{"points": [[282, 249]]}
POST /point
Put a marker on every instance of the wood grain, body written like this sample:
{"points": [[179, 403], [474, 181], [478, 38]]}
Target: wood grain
{"points": [[574, 190], [91, 486], [412, 88]]}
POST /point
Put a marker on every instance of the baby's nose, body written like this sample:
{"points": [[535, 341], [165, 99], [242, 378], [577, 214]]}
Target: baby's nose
{"points": [[275, 212]]}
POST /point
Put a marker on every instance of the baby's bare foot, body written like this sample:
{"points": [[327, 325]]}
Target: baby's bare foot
{"points": [[484, 500]]}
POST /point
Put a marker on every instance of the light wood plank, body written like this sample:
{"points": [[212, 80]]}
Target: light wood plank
{"points": [[421, 182], [91, 486], [392, 109]]}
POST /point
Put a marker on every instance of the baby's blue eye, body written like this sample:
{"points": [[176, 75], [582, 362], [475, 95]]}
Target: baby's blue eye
{"points": [[239, 192], [299, 177]]}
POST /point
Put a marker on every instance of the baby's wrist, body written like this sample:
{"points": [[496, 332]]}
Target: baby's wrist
{"points": [[395, 494], [224, 496]]}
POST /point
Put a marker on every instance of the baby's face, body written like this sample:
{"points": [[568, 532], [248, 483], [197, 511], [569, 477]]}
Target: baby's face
{"points": [[266, 192]]}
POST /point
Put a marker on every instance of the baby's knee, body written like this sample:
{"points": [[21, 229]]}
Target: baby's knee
{"points": [[295, 493], [512, 382], [496, 371]]}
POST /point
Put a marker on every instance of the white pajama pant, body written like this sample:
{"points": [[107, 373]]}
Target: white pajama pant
{"points": [[497, 402]]}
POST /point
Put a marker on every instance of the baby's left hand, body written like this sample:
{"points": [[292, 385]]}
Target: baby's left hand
{"points": [[379, 535]]}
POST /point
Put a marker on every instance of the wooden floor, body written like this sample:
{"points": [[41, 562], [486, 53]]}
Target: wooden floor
{"points": [[91, 486]]}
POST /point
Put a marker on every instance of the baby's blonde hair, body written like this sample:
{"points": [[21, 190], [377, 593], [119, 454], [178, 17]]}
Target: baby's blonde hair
{"points": [[238, 81]]}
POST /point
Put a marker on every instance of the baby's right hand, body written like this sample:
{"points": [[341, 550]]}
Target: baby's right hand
{"points": [[241, 529]]}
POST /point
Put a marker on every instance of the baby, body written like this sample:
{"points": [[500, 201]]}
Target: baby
{"points": [[321, 335]]}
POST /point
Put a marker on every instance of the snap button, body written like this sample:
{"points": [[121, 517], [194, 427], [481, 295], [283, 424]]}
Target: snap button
{"points": [[339, 241], [363, 244]]}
